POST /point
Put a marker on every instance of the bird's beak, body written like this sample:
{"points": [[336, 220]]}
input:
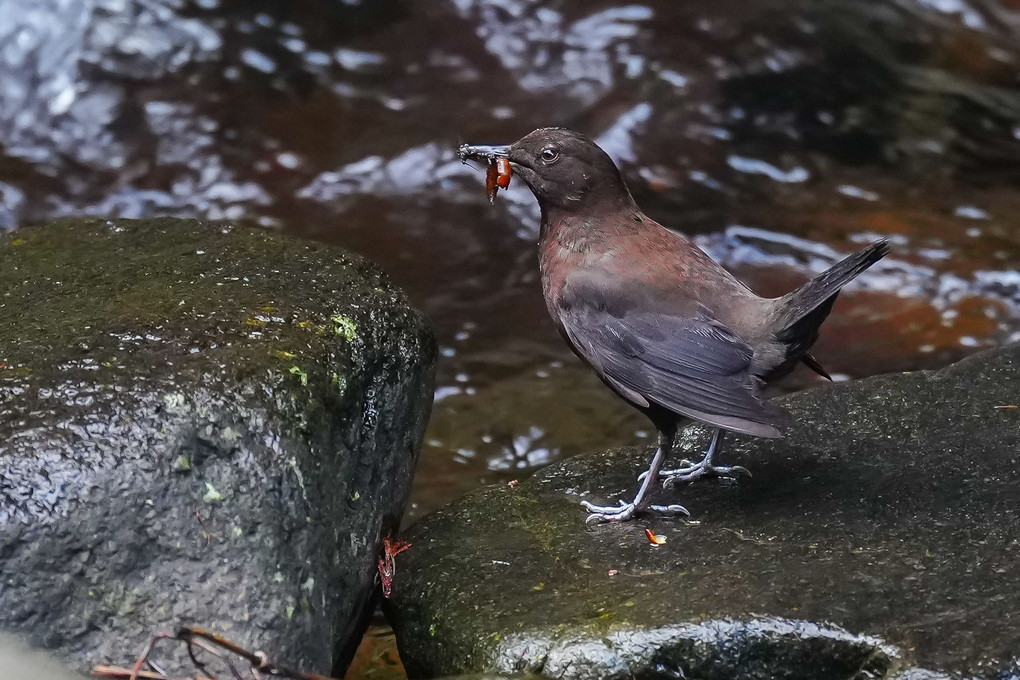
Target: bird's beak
{"points": [[482, 152]]}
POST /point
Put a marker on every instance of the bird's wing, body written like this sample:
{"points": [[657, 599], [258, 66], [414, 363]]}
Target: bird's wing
{"points": [[693, 366]]}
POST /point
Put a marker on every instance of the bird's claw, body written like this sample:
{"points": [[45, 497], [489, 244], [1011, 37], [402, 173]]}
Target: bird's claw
{"points": [[685, 464], [687, 474], [625, 511], [608, 513], [670, 510]]}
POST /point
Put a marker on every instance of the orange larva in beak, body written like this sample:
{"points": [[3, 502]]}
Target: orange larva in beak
{"points": [[497, 176], [504, 173], [498, 170], [491, 182]]}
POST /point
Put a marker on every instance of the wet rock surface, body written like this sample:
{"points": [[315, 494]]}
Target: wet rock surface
{"points": [[200, 424], [780, 133], [878, 538]]}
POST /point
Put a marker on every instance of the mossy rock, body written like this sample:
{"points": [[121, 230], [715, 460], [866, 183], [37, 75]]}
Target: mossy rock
{"points": [[881, 536], [201, 424]]}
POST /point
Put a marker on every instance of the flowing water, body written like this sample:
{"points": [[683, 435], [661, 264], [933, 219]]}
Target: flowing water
{"points": [[779, 134]]}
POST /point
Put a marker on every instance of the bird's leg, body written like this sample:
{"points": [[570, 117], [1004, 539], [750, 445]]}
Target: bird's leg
{"points": [[689, 472], [625, 511]]}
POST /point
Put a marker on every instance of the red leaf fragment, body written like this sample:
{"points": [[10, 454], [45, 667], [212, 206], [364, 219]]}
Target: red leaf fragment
{"points": [[388, 563]]}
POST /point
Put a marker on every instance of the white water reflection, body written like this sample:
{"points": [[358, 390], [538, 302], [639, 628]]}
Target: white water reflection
{"points": [[754, 166], [18, 661]]}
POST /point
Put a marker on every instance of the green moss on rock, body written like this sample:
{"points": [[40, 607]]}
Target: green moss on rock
{"points": [[182, 411], [876, 536]]}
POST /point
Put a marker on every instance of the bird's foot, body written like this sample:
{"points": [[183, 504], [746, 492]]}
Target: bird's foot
{"points": [[685, 466], [625, 511], [690, 472]]}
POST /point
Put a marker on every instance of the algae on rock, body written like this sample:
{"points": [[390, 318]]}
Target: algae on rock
{"points": [[880, 534], [164, 463]]}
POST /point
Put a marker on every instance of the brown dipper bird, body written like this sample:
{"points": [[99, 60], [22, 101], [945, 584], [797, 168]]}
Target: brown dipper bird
{"points": [[660, 322]]}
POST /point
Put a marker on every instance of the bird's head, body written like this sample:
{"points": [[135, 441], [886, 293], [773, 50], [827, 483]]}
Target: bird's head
{"points": [[564, 169]]}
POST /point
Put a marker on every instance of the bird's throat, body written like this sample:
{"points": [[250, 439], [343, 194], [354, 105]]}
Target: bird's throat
{"points": [[576, 231]]}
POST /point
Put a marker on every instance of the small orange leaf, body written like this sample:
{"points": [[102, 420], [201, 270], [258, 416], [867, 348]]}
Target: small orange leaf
{"points": [[654, 538]]}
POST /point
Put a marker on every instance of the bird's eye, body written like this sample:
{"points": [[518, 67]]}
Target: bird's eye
{"points": [[550, 154]]}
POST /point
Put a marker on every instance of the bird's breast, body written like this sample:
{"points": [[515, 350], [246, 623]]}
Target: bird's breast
{"points": [[555, 263]]}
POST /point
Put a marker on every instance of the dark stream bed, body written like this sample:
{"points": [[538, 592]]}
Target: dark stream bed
{"points": [[779, 134]]}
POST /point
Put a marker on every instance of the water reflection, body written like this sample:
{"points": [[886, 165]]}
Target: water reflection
{"points": [[779, 135]]}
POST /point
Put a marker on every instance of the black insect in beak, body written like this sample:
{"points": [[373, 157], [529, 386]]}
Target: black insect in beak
{"points": [[482, 152]]}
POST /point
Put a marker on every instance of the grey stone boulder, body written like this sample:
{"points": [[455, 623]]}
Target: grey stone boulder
{"points": [[879, 539], [200, 424]]}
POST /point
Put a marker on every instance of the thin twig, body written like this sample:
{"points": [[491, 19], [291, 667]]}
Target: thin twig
{"points": [[211, 643], [118, 672], [190, 645], [145, 654], [152, 664], [207, 646], [258, 660]]}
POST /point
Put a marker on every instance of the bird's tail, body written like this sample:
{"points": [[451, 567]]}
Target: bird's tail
{"points": [[798, 314]]}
